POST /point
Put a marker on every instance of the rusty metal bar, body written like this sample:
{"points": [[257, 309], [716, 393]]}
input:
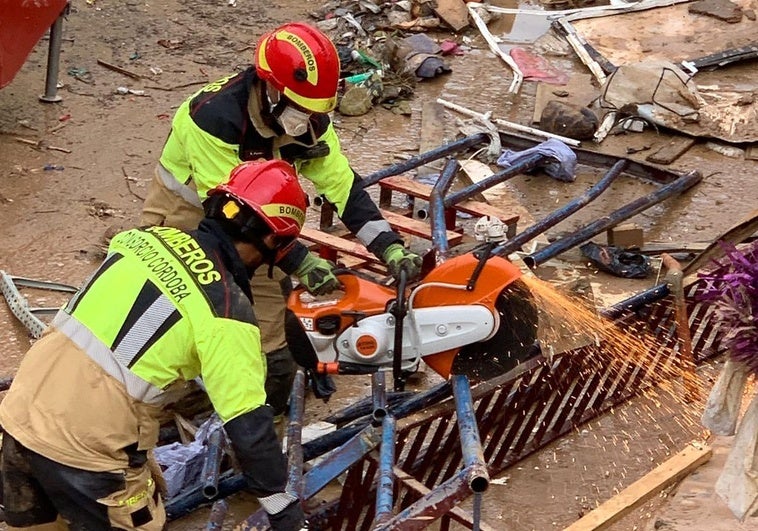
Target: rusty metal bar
{"points": [[385, 481], [295, 435], [438, 502], [555, 217], [212, 464], [640, 204], [425, 158]]}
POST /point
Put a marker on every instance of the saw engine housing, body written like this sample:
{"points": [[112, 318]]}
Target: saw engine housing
{"points": [[355, 330]]}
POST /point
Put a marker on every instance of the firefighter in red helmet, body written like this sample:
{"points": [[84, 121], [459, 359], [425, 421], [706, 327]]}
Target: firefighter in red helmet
{"points": [[276, 109], [165, 307]]}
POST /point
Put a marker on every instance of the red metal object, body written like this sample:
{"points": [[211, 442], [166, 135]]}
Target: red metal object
{"points": [[22, 25]]}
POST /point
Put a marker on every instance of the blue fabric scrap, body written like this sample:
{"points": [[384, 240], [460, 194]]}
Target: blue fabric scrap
{"points": [[562, 163]]}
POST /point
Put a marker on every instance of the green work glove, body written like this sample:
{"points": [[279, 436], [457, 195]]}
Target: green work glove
{"points": [[317, 275], [398, 257]]}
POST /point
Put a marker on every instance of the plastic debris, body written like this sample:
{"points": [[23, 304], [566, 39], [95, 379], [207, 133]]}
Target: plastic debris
{"points": [[617, 261]]}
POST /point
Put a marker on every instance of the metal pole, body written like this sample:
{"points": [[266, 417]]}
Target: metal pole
{"points": [[437, 207], [231, 482], [524, 165], [424, 158], [635, 302], [399, 312], [471, 447], [683, 183], [295, 435], [378, 397], [385, 479], [555, 217], [53, 60], [212, 464]]}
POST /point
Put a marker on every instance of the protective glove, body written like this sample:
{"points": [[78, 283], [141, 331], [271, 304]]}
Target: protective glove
{"points": [[291, 518], [398, 257], [317, 275]]}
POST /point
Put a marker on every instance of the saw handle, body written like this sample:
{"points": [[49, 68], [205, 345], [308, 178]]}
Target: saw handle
{"points": [[399, 311]]}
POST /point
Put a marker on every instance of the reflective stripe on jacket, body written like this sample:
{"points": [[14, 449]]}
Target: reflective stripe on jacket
{"points": [[212, 132]]}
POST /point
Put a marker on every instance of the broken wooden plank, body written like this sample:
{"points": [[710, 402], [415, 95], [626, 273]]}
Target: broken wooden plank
{"points": [[671, 151], [433, 118], [453, 13], [642, 490]]}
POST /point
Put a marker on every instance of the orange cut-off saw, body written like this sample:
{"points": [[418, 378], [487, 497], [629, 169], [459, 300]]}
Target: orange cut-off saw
{"points": [[469, 315]]}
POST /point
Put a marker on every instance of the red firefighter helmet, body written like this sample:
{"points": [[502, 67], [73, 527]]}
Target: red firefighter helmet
{"points": [[273, 194], [302, 63]]}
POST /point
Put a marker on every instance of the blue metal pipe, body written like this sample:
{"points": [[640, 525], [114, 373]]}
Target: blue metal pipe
{"points": [[212, 465], [295, 434], [386, 476], [637, 301], [682, 184], [232, 482], [522, 166], [424, 158], [378, 397], [340, 460], [437, 207], [471, 447], [555, 217]]}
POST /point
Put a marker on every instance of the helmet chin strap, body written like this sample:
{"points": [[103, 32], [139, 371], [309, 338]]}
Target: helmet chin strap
{"points": [[273, 96], [267, 254]]}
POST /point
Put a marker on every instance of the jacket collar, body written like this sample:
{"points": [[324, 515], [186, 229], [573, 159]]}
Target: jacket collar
{"points": [[209, 232]]}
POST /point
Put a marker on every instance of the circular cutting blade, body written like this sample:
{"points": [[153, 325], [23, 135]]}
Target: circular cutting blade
{"points": [[512, 343]]}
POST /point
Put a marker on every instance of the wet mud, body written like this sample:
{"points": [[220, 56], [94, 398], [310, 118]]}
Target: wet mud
{"points": [[53, 222]]}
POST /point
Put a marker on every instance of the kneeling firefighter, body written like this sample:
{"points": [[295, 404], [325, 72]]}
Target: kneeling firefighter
{"points": [[164, 307]]}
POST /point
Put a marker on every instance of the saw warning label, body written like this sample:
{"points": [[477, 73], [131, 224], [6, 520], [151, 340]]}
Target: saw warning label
{"points": [[366, 345]]}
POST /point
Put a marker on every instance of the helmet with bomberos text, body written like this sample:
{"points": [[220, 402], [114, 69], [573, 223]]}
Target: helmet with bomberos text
{"points": [[260, 197], [302, 63]]}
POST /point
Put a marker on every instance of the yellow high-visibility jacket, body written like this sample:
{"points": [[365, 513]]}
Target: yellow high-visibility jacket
{"points": [[164, 307]]}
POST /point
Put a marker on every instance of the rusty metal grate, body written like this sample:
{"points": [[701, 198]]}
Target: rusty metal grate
{"points": [[517, 414]]}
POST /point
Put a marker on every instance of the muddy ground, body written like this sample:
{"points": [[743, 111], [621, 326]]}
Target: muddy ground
{"points": [[53, 221]]}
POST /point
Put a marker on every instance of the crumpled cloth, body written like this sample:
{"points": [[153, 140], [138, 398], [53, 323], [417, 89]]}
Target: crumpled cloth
{"points": [[562, 163]]}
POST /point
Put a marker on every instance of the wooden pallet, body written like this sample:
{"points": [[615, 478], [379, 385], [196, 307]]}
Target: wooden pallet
{"points": [[423, 191], [339, 245]]}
